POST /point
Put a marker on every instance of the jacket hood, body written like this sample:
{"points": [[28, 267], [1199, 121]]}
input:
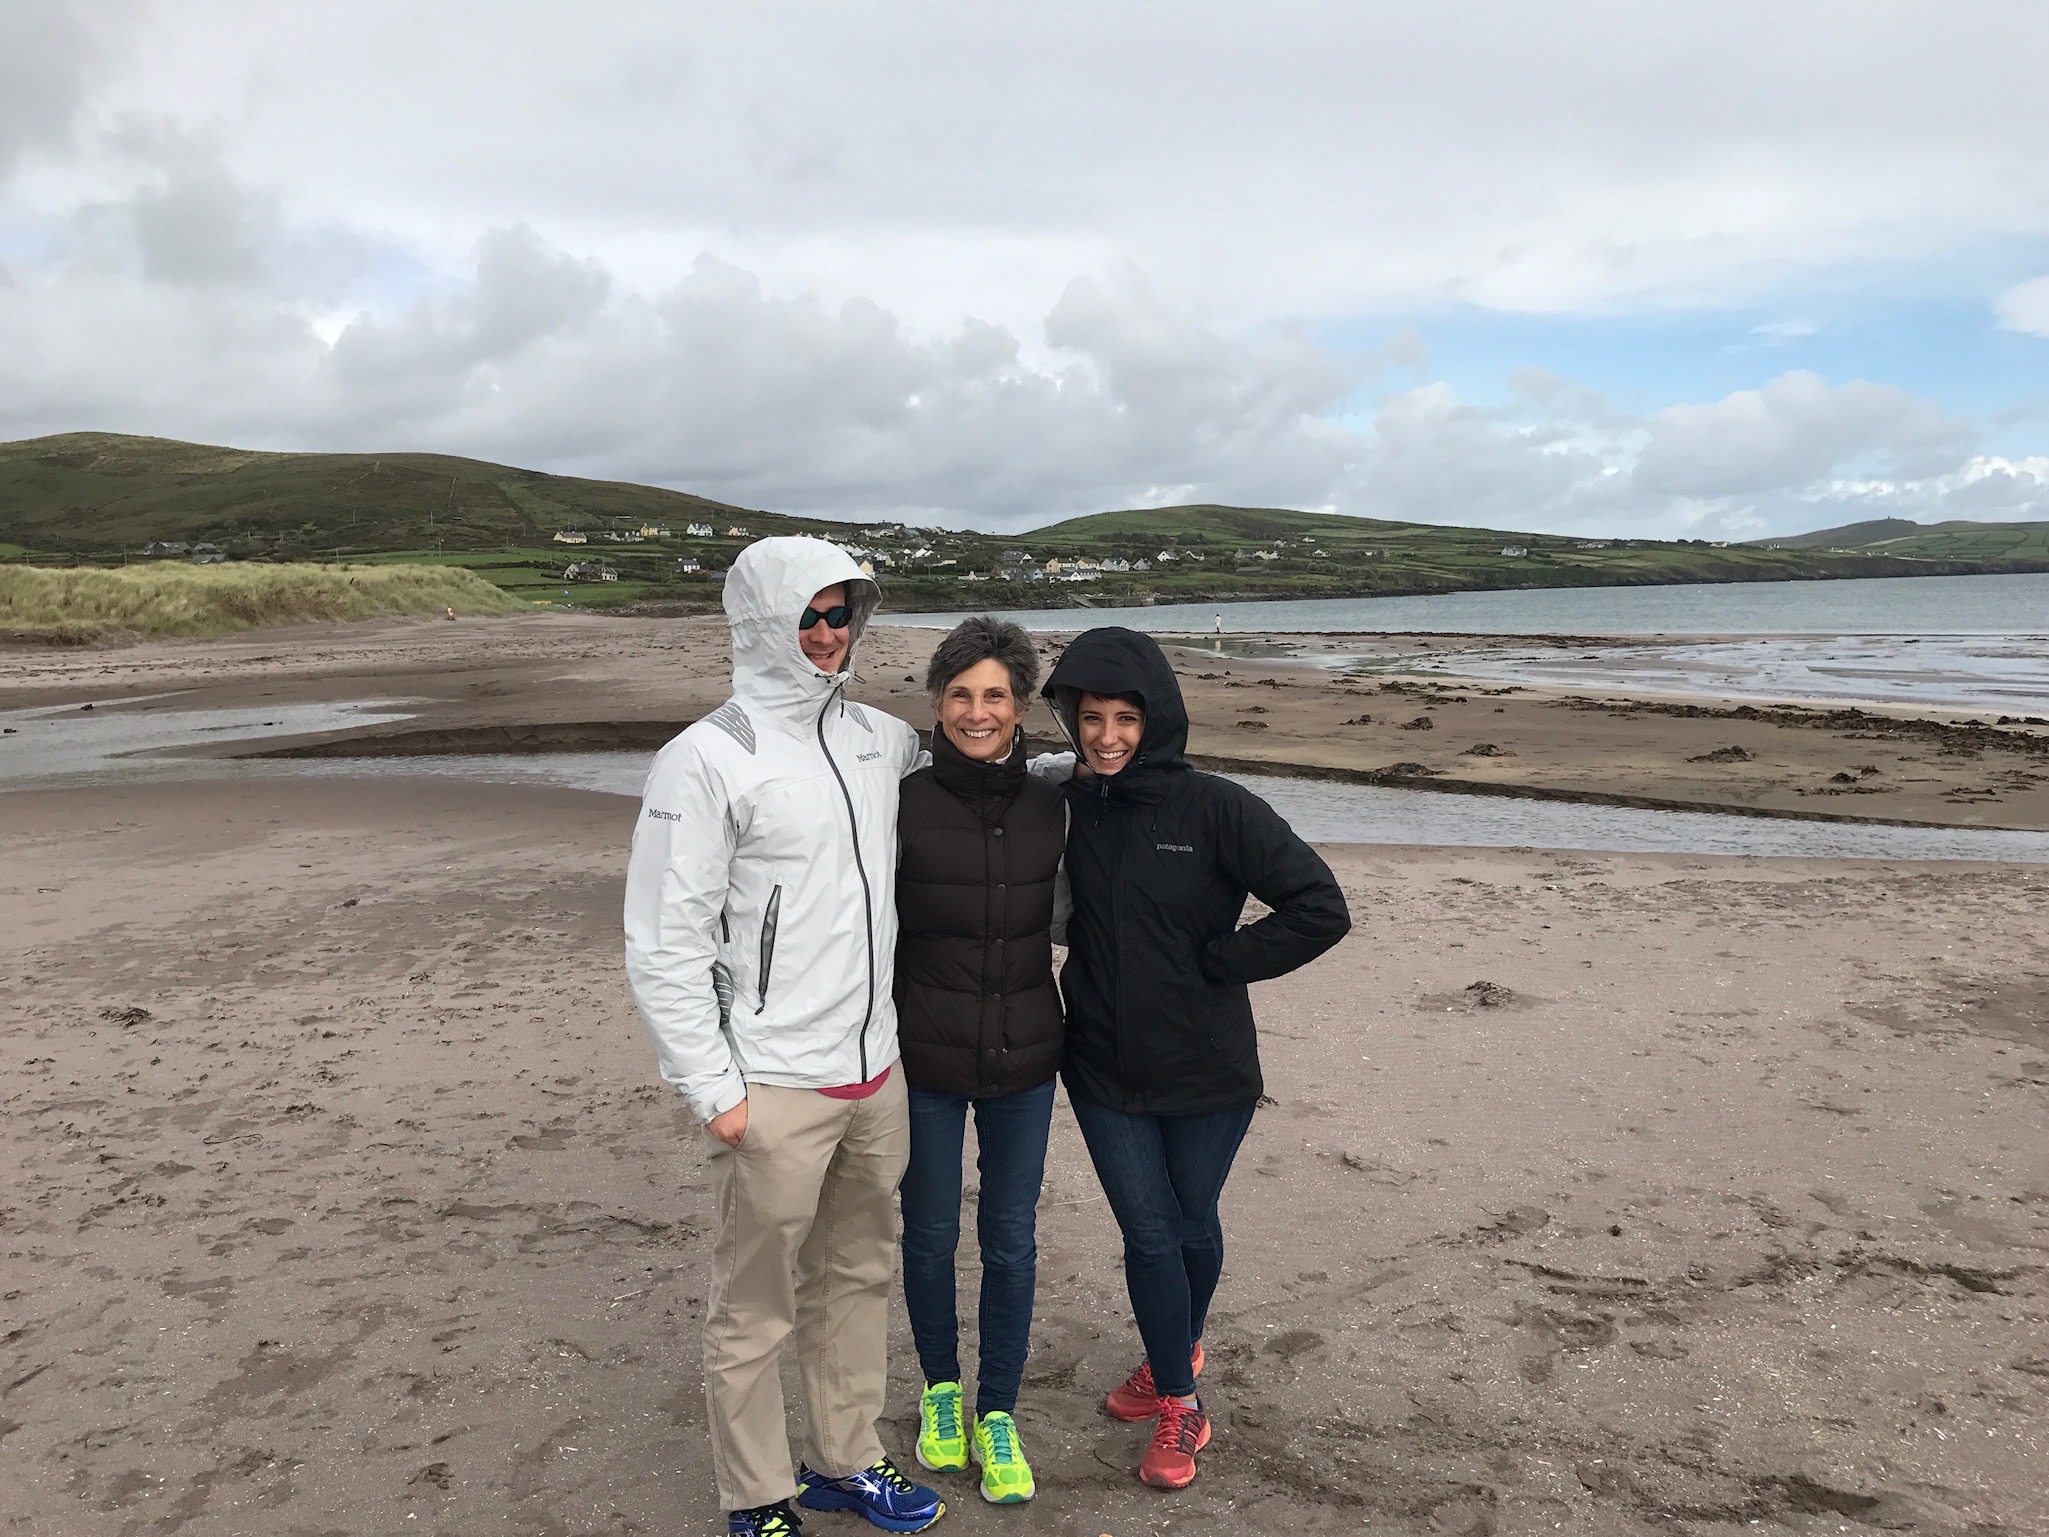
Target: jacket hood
{"points": [[1119, 661], [766, 593]]}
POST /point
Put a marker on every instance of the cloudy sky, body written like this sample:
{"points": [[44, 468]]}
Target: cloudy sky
{"points": [[1706, 270]]}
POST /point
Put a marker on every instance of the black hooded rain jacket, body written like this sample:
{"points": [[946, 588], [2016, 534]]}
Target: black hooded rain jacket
{"points": [[1161, 859]]}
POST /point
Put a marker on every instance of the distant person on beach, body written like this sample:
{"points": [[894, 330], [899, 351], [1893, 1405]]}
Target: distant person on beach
{"points": [[1162, 1060], [761, 942], [980, 1021]]}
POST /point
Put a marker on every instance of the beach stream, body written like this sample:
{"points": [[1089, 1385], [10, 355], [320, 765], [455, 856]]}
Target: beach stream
{"points": [[48, 749]]}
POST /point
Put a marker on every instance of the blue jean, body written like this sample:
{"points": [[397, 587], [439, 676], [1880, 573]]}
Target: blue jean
{"points": [[1163, 1175], [1010, 1135]]}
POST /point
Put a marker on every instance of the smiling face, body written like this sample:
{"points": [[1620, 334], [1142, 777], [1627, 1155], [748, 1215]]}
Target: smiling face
{"points": [[978, 710], [1110, 731], [825, 647]]}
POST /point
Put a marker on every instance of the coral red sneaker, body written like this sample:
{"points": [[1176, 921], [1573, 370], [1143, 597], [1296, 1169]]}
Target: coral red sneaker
{"points": [[1183, 1430], [1136, 1398]]}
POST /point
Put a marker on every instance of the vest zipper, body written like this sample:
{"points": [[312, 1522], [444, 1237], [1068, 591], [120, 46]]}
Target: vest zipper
{"points": [[861, 869]]}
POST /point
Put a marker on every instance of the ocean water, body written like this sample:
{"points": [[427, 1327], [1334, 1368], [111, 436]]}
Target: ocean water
{"points": [[1922, 605], [1958, 642], [1998, 674]]}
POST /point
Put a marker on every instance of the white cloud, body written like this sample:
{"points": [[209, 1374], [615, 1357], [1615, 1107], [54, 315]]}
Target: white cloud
{"points": [[1313, 160], [970, 264], [1794, 431], [49, 57], [719, 385], [2025, 307]]}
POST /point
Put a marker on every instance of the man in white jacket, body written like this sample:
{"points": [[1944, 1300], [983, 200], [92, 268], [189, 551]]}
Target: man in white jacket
{"points": [[761, 942]]}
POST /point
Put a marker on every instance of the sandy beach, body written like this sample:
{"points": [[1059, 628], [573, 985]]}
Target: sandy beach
{"points": [[1598, 1194]]}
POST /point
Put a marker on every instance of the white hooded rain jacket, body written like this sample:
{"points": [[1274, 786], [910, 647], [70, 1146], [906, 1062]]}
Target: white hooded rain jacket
{"points": [[760, 897]]}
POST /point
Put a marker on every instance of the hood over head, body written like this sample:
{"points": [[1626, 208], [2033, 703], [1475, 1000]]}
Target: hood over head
{"points": [[766, 593], [1119, 661]]}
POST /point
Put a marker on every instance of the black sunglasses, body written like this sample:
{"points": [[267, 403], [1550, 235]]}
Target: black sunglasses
{"points": [[836, 616]]}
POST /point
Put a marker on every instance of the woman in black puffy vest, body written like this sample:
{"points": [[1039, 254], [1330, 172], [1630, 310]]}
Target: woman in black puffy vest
{"points": [[980, 1025]]}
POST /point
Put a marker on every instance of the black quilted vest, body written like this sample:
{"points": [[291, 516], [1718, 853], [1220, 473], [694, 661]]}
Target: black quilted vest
{"points": [[977, 1011]]}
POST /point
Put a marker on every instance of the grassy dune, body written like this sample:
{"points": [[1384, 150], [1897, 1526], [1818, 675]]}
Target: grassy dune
{"points": [[84, 604]]}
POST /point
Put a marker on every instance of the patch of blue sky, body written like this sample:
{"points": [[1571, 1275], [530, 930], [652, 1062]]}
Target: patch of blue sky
{"points": [[23, 243], [393, 276], [1944, 344]]}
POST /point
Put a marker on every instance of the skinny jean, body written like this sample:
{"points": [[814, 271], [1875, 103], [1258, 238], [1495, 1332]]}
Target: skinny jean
{"points": [[1010, 1135], [1163, 1175]]}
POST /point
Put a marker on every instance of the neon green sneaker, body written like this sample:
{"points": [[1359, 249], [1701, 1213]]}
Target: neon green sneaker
{"points": [[1006, 1476], [942, 1439]]}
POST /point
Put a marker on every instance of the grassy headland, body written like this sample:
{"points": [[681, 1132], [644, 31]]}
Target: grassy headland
{"points": [[86, 603], [101, 498]]}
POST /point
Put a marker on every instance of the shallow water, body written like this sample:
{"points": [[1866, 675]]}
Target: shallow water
{"points": [[1324, 812], [45, 748], [57, 748]]}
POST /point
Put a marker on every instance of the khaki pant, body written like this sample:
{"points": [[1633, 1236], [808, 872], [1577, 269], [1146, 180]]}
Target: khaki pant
{"points": [[806, 1242]]}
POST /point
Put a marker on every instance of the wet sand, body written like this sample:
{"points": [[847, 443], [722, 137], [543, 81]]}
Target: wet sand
{"points": [[340, 1195], [567, 681]]}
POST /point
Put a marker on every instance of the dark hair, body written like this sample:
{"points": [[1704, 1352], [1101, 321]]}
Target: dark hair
{"points": [[1136, 701], [985, 638]]}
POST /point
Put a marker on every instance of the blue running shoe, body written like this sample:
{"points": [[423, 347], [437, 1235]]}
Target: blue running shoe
{"points": [[883, 1495], [776, 1520]]}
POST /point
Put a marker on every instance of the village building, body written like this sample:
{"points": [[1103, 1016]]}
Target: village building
{"points": [[168, 547], [698, 530], [571, 536], [589, 571], [1515, 551]]}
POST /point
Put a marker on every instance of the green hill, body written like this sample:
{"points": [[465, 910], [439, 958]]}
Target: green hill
{"points": [[1956, 539], [97, 491], [101, 498]]}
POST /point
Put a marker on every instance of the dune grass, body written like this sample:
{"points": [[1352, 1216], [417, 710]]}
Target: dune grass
{"points": [[86, 604]]}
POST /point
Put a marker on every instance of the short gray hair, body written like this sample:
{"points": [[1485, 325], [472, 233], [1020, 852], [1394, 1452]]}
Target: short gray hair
{"points": [[985, 638]]}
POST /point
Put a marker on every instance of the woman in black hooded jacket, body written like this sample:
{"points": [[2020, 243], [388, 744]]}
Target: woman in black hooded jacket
{"points": [[1162, 1060]]}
